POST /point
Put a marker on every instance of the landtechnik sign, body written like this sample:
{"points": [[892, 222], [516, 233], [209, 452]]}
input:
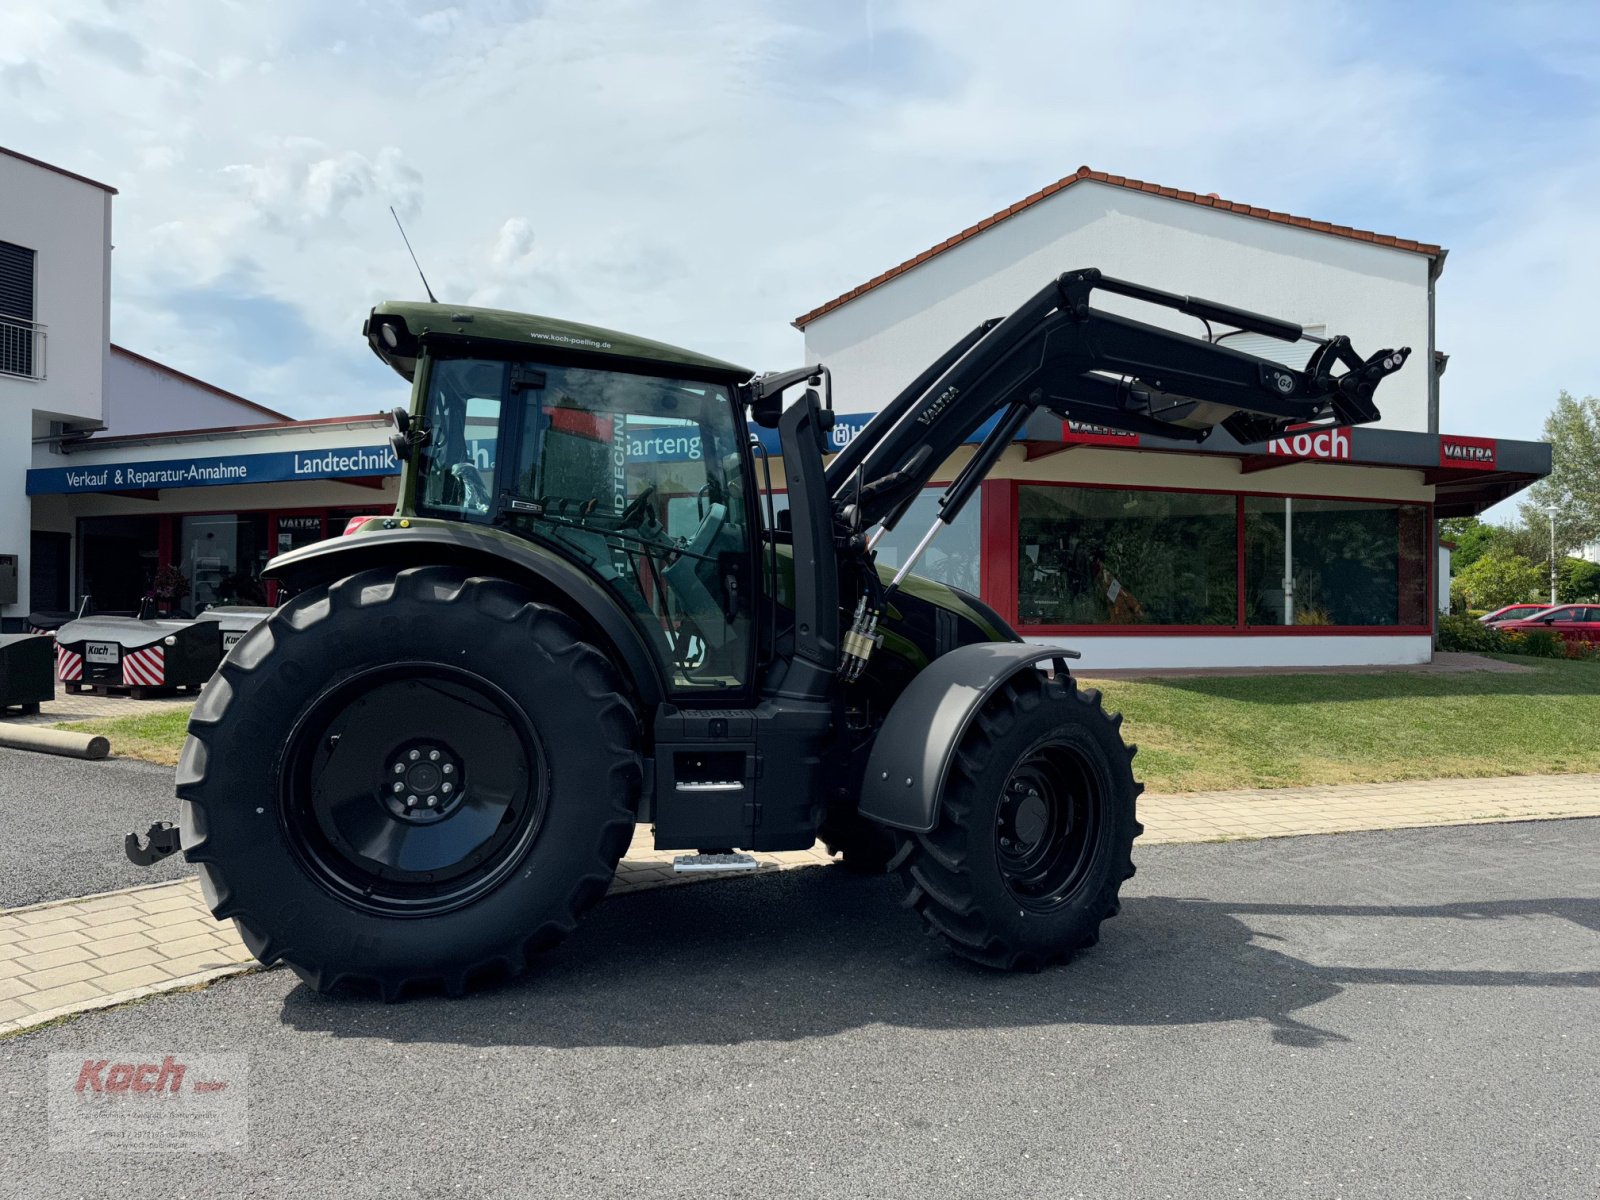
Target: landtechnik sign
{"points": [[345, 462]]}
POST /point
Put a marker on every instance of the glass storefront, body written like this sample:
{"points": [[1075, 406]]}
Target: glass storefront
{"points": [[117, 561], [1335, 562], [1091, 556], [222, 556], [955, 555]]}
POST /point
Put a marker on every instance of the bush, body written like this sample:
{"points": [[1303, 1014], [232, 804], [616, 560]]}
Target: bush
{"points": [[1462, 633], [1538, 643], [1467, 634]]}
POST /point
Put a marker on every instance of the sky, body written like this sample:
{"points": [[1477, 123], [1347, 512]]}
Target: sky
{"points": [[702, 172]]}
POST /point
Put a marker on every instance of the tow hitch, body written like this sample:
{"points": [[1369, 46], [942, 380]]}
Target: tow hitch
{"points": [[161, 841]]}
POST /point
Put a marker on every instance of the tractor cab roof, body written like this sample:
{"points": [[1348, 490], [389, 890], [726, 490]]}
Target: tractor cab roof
{"points": [[398, 329]]}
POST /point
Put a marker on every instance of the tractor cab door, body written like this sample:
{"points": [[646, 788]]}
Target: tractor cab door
{"points": [[638, 479]]}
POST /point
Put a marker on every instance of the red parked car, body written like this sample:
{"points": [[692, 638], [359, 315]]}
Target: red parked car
{"points": [[1511, 612], [1574, 622]]}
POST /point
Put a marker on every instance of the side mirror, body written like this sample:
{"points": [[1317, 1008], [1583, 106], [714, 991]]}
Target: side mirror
{"points": [[404, 439], [766, 411]]}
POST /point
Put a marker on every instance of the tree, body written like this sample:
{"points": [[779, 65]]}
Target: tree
{"points": [[1473, 539], [1577, 581], [1573, 486], [1497, 579]]}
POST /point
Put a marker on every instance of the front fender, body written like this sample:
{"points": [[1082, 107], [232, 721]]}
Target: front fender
{"points": [[550, 578], [917, 742]]}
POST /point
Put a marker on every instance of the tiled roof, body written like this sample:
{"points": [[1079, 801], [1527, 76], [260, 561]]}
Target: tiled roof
{"points": [[1134, 185]]}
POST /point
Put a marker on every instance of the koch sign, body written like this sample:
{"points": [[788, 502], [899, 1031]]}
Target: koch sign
{"points": [[1473, 453], [1331, 445], [345, 462]]}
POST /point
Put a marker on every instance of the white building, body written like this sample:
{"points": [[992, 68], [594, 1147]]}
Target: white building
{"points": [[55, 262], [1141, 551], [112, 464]]}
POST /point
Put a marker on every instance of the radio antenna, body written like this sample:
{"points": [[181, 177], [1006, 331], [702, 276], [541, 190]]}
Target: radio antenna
{"points": [[431, 297]]}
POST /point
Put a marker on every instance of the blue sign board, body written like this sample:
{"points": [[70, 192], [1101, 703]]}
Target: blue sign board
{"points": [[344, 462], [645, 444], [847, 425]]}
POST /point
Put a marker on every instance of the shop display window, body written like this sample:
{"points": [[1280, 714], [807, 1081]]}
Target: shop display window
{"points": [[1092, 556]]}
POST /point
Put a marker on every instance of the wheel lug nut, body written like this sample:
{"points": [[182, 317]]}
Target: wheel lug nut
{"points": [[398, 786], [448, 788], [432, 800], [433, 756], [410, 801], [414, 755], [399, 767], [449, 769]]}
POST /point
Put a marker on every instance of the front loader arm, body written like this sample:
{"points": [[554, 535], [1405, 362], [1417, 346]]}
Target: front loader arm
{"points": [[1059, 353]]}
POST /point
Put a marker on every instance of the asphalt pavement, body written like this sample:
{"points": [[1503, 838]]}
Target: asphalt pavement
{"points": [[1406, 1014], [63, 821]]}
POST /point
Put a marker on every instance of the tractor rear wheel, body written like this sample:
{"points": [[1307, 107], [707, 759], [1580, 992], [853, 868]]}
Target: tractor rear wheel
{"points": [[1035, 828], [409, 779]]}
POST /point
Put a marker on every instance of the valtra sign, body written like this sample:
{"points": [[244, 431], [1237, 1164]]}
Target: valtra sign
{"points": [[1331, 445], [1081, 433], [1473, 453]]}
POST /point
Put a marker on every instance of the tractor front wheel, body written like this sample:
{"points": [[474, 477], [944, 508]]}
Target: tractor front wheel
{"points": [[409, 779], [1035, 828]]}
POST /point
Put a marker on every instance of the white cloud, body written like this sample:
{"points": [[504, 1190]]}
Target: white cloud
{"points": [[701, 172]]}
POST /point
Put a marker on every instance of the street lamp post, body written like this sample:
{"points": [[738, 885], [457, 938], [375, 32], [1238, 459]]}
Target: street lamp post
{"points": [[1551, 512]]}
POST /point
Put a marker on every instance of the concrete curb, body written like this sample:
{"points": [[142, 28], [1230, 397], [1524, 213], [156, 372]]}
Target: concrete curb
{"points": [[55, 741]]}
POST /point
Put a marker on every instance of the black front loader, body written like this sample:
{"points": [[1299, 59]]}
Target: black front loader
{"points": [[423, 768], [1055, 352]]}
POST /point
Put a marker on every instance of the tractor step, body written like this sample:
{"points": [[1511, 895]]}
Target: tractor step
{"points": [[687, 864]]}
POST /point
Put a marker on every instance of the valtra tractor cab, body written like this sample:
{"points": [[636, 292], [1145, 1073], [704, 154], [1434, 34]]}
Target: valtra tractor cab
{"points": [[584, 615]]}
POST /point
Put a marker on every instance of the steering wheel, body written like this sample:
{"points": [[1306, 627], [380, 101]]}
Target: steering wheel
{"points": [[633, 514]]}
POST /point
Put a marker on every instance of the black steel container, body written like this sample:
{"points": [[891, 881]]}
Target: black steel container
{"points": [[27, 679]]}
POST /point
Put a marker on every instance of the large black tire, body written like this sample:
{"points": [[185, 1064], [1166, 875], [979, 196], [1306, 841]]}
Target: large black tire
{"points": [[295, 847], [1035, 828]]}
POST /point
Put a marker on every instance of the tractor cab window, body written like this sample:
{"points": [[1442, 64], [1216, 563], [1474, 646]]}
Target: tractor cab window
{"points": [[639, 479], [458, 459]]}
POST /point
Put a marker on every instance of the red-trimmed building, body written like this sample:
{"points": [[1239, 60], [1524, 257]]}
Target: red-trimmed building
{"points": [[1314, 550]]}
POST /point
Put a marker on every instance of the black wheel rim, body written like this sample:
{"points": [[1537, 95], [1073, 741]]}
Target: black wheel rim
{"points": [[1047, 825], [412, 789]]}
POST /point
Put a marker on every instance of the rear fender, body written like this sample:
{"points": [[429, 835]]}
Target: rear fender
{"points": [[548, 577], [917, 742]]}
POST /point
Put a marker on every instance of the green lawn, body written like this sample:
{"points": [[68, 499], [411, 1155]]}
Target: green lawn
{"points": [[1197, 734], [1202, 733], [156, 737]]}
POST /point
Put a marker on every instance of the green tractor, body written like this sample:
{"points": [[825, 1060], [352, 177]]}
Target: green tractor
{"points": [[585, 614]]}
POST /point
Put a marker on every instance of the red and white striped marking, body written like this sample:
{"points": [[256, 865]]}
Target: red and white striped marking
{"points": [[144, 668], [34, 629], [69, 666]]}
